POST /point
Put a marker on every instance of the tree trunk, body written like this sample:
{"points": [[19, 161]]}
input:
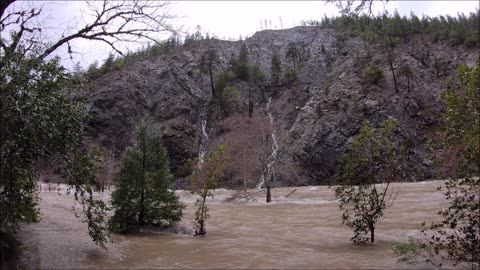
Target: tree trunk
{"points": [[245, 183], [390, 61], [211, 78], [393, 74], [269, 193], [141, 215], [250, 108], [372, 233], [201, 222]]}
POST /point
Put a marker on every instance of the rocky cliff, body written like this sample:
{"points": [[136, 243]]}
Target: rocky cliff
{"points": [[315, 117]]}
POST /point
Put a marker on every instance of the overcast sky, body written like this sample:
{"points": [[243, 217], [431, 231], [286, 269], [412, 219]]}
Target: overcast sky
{"points": [[230, 19]]}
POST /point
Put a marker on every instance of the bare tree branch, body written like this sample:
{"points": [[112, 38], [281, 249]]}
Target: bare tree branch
{"points": [[354, 7], [4, 5], [110, 22]]}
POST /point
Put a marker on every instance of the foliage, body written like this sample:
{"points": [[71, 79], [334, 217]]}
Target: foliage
{"points": [[143, 195], [462, 124], [222, 81], [472, 39], [40, 115], [230, 100], [242, 67], [290, 76], [374, 75], [292, 52], [92, 71], [256, 75], [457, 235], [39, 119], [406, 71], [407, 251], [454, 30], [276, 69], [204, 180], [364, 178]]}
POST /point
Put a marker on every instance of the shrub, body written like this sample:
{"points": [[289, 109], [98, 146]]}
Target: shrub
{"points": [[374, 75], [290, 76], [472, 40], [407, 251], [256, 75], [230, 100], [223, 79]]}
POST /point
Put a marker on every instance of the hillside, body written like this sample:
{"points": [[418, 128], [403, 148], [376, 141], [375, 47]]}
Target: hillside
{"points": [[313, 118]]}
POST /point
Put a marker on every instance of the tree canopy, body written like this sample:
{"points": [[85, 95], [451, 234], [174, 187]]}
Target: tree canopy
{"points": [[143, 195]]}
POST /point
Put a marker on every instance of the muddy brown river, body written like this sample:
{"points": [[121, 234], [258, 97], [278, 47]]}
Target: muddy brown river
{"points": [[301, 231]]}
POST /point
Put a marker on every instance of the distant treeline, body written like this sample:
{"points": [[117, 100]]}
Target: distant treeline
{"points": [[455, 30]]}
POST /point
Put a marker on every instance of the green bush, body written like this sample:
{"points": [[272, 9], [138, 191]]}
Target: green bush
{"points": [[230, 100], [256, 75], [223, 79], [472, 40], [290, 76], [456, 37], [374, 75], [407, 251]]}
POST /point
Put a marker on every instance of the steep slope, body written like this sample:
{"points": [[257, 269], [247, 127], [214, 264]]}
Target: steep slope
{"points": [[315, 118]]}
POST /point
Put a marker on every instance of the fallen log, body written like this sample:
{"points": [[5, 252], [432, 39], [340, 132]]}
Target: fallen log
{"points": [[290, 193]]}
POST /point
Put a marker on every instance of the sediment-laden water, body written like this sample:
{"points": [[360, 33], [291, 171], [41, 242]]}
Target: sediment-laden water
{"points": [[301, 231]]}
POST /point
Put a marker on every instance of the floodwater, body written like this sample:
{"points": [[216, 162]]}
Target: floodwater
{"points": [[302, 230]]}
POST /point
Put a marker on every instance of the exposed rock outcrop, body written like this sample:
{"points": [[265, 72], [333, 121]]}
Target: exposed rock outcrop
{"points": [[315, 117]]}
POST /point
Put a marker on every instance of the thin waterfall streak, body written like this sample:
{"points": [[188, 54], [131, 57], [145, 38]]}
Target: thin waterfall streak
{"points": [[275, 147], [203, 138]]}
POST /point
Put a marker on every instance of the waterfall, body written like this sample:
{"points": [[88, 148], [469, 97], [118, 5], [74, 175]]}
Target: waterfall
{"points": [[204, 136], [273, 156]]}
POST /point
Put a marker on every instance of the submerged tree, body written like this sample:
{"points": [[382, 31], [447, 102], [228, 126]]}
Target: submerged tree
{"points": [[204, 180], [457, 235], [143, 195], [365, 175]]}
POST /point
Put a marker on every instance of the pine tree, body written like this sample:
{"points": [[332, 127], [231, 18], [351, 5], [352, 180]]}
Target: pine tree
{"points": [[108, 64], [242, 68], [276, 69], [142, 196]]}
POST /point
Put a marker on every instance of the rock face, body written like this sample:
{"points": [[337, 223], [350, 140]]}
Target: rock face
{"points": [[315, 117]]}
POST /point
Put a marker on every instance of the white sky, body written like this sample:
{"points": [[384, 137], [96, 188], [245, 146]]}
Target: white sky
{"points": [[229, 19]]}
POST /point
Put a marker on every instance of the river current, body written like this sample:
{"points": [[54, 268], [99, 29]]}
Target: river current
{"points": [[303, 230]]}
